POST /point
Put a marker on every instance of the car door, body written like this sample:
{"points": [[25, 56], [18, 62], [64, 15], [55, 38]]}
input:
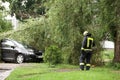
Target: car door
{"points": [[8, 49]]}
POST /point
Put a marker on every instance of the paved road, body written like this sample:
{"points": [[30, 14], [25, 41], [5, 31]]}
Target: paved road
{"points": [[6, 69]]}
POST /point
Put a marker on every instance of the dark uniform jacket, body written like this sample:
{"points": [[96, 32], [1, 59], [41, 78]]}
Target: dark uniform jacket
{"points": [[88, 43]]}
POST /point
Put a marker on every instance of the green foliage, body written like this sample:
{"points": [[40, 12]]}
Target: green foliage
{"points": [[24, 10], [66, 30], [52, 55], [112, 65], [31, 33], [5, 25], [70, 22], [109, 16], [108, 54], [116, 66]]}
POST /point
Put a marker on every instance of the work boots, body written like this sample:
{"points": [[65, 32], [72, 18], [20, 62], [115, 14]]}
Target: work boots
{"points": [[87, 66], [82, 67]]}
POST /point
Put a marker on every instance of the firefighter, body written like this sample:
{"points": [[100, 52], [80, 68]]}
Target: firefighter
{"points": [[86, 51]]}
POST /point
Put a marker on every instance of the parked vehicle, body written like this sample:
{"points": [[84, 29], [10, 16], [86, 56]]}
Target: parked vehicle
{"points": [[13, 51]]}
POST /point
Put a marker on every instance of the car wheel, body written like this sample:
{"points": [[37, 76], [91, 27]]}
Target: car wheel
{"points": [[19, 58]]}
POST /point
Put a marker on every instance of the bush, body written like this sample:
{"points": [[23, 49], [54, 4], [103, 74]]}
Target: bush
{"points": [[116, 66], [52, 55], [5, 25], [112, 65]]}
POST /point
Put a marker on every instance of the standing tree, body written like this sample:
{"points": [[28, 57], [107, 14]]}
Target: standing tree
{"points": [[115, 28], [111, 18]]}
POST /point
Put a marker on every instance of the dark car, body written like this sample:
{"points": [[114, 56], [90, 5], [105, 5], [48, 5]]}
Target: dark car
{"points": [[13, 51]]}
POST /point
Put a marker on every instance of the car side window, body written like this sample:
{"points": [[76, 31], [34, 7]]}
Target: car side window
{"points": [[8, 43]]}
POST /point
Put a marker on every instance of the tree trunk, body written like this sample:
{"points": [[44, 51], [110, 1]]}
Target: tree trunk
{"points": [[117, 48]]}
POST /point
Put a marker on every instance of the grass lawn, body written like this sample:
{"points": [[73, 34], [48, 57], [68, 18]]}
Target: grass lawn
{"points": [[41, 71]]}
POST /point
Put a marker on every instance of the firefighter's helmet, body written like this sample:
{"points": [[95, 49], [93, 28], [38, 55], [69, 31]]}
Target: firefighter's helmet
{"points": [[85, 33]]}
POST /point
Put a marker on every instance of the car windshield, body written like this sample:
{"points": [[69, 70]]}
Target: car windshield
{"points": [[27, 47], [22, 45]]}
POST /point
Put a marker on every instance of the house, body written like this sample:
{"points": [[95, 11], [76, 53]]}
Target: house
{"points": [[107, 44]]}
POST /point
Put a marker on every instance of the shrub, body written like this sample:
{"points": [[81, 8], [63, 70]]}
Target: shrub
{"points": [[5, 25], [116, 66], [52, 55]]}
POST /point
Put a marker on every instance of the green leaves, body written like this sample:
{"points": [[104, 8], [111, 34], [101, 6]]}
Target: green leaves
{"points": [[5, 25], [52, 55]]}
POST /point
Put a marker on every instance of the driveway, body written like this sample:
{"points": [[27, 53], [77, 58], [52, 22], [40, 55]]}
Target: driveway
{"points": [[6, 69]]}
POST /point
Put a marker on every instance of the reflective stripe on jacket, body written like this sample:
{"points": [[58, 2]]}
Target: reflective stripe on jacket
{"points": [[87, 44]]}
